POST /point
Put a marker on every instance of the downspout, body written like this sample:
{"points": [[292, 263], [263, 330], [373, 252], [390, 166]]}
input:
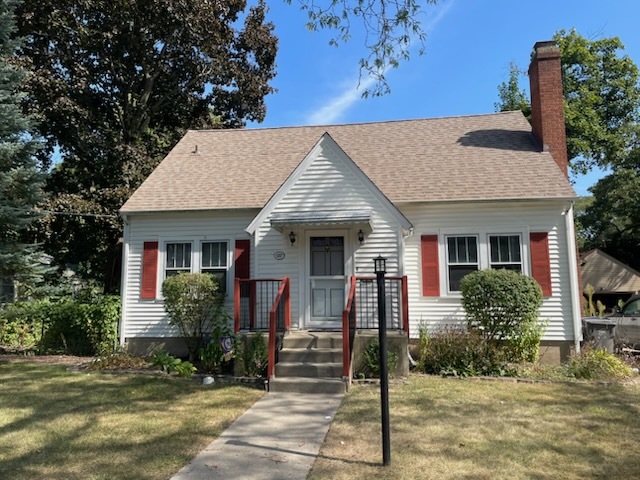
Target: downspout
{"points": [[123, 277], [573, 277]]}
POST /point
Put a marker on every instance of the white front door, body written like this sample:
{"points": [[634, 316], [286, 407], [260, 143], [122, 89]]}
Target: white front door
{"points": [[327, 280]]}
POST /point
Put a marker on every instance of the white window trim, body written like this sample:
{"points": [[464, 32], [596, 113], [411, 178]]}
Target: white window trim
{"points": [[482, 234], [196, 251], [446, 258]]}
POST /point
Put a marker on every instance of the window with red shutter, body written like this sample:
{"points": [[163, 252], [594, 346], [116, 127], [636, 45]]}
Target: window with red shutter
{"points": [[243, 259]]}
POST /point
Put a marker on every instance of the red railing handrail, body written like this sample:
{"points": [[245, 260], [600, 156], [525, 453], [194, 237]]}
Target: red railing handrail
{"points": [[346, 347], [283, 293]]}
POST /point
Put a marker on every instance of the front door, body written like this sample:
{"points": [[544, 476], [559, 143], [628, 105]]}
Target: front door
{"points": [[327, 281]]}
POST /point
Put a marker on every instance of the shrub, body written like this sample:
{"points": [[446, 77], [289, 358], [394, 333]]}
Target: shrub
{"points": [[21, 324], [371, 357], [598, 364], [256, 356], [455, 351], [502, 306], [77, 326], [194, 302], [80, 328], [170, 364]]}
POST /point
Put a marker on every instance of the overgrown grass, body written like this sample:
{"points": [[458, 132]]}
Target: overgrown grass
{"points": [[443, 428], [55, 424]]}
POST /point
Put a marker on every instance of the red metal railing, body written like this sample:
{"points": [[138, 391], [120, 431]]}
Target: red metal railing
{"points": [[253, 299], [348, 329], [279, 323]]}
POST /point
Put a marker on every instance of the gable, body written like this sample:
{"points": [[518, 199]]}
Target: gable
{"points": [[328, 184]]}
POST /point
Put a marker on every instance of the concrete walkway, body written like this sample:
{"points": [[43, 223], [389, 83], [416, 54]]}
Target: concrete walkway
{"points": [[277, 438]]}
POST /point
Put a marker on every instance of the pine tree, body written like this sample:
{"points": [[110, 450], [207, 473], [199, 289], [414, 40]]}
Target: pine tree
{"points": [[20, 179]]}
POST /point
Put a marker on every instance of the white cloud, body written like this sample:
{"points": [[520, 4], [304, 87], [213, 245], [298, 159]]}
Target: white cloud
{"points": [[334, 108]]}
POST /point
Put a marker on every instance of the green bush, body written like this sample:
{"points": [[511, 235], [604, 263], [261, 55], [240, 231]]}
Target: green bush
{"points": [[77, 326], [21, 324], [597, 364], [256, 356], [195, 303], [502, 306], [170, 364], [371, 360], [455, 351]]}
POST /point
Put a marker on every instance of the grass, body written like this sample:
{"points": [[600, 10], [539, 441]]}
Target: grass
{"points": [[463, 429], [56, 424]]}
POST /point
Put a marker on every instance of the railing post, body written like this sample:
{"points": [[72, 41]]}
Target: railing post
{"points": [[272, 345], [236, 305], [405, 305], [252, 305], [287, 304], [346, 353]]}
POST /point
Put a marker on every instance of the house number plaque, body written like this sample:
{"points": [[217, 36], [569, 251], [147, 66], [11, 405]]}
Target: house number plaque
{"points": [[279, 255]]}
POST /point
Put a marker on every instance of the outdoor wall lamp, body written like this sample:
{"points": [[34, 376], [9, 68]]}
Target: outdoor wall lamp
{"points": [[361, 236], [292, 238]]}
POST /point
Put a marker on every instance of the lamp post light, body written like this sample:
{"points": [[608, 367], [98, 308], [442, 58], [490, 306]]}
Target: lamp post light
{"points": [[380, 268]]}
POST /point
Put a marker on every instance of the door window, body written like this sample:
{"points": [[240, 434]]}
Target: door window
{"points": [[327, 256]]}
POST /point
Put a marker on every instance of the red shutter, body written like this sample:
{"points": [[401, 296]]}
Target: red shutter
{"points": [[540, 265], [149, 270], [243, 259], [430, 267]]}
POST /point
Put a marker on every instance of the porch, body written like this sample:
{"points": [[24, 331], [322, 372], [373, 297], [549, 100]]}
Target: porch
{"points": [[264, 305]]}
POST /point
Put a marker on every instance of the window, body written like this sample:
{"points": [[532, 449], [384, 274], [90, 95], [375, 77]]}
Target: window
{"points": [[504, 252], [213, 260], [462, 258], [178, 259]]}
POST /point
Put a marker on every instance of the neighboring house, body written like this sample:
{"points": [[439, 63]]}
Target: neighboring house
{"points": [[438, 198], [611, 279]]}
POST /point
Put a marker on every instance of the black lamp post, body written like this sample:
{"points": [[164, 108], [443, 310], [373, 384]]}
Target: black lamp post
{"points": [[380, 269]]}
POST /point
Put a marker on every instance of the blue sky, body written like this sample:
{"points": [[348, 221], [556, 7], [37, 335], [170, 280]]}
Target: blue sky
{"points": [[468, 49]]}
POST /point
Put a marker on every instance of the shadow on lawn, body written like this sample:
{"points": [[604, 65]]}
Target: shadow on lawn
{"points": [[466, 429], [64, 418]]}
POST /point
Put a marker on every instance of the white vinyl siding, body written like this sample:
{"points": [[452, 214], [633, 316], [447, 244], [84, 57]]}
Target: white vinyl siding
{"points": [[148, 318], [487, 220], [329, 183]]}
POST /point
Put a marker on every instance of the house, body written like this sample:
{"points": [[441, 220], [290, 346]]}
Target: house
{"points": [[438, 198], [611, 279]]}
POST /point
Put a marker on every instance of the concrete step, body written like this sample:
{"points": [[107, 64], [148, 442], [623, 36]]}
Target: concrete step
{"points": [[308, 369], [307, 385], [313, 340], [310, 355]]}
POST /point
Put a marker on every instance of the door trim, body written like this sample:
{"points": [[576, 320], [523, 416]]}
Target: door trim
{"points": [[306, 272]]}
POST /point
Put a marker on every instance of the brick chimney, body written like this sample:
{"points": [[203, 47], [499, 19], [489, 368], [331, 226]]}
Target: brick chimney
{"points": [[547, 106]]}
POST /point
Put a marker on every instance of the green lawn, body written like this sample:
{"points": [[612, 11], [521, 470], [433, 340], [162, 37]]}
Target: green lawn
{"points": [[60, 425], [465, 429]]}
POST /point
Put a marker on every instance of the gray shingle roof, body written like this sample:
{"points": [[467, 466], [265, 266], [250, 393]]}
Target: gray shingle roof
{"points": [[480, 157]]}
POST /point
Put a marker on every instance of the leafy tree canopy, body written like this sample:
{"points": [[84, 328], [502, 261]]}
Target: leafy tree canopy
{"points": [[115, 84], [20, 180], [602, 99], [390, 28]]}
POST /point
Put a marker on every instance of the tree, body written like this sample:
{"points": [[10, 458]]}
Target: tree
{"points": [[20, 180], [115, 84], [602, 99], [612, 221], [390, 28], [511, 97]]}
